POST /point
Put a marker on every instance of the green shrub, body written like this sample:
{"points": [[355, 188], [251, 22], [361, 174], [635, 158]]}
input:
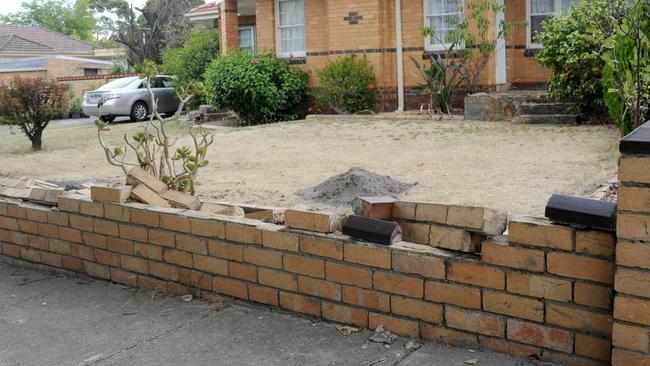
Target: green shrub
{"points": [[260, 88], [573, 52], [347, 85]]}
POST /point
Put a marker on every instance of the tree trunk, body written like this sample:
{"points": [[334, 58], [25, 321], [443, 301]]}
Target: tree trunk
{"points": [[37, 142]]}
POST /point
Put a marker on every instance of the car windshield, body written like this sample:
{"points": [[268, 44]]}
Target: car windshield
{"points": [[119, 83]]}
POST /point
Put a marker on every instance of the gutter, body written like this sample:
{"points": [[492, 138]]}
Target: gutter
{"points": [[400, 57]]}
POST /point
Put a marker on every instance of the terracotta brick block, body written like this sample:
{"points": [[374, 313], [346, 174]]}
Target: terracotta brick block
{"points": [[243, 234], [95, 209], [280, 240], [191, 244], [97, 270], [48, 230], [147, 251], [195, 279], [133, 232], [593, 347], [398, 284], [58, 218], [475, 321], [209, 228], [592, 295], [427, 266], [36, 214], [80, 222], [632, 310], [634, 198], [633, 227], [539, 286], [134, 264], [60, 247], [502, 254], [230, 287], [454, 239], [631, 254], [577, 266], [595, 243], [17, 212], [29, 227], [416, 309], [510, 348], [321, 247], [117, 212], [415, 232], [512, 305], [437, 333], [105, 227], [119, 245], [118, 194], [263, 257], [71, 235], [467, 297], [181, 200], [319, 288], [299, 304], [431, 212], [579, 318], [8, 223], [145, 217], [348, 275], [404, 210], [622, 357], [366, 298], [264, 295], [631, 337], [475, 274], [162, 237], [540, 335], [277, 279], [38, 242], [68, 203], [632, 282], [345, 314], [312, 221], [178, 257], [164, 271], [540, 232], [483, 220], [175, 223], [368, 255], [124, 277], [73, 264], [151, 283], [226, 250], [304, 265], [107, 258], [51, 259], [242, 271], [211, 264], [634, 169], [94, 240], [138, 175], [83, 252], [402, 327]]}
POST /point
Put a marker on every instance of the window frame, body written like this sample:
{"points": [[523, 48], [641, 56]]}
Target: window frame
{"points": [[427, 41], [278, 41], [558, 10], [253, 37]]}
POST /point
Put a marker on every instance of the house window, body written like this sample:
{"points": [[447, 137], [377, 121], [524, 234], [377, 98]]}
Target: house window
{"points": [[247, 39], [91, 72], [441, 16], [290, 28], [540, 10]]}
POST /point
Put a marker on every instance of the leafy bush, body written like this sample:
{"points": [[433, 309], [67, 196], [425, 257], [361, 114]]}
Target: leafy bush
{"points": [[260, 88], [31, 104], [573, 52], [347, 85]]}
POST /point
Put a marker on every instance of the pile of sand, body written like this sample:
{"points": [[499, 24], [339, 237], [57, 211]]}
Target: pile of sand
{"points": [[342, 189]]}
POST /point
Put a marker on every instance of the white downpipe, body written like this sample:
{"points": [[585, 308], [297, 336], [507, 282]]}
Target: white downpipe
{"points": [[400, 60]]}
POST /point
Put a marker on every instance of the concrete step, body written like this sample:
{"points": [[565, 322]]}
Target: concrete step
{"points": [[545, 108], [213, 117], [547, 119]]}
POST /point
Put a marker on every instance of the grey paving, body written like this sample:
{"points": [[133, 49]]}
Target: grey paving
{"points": [[48, 319]]}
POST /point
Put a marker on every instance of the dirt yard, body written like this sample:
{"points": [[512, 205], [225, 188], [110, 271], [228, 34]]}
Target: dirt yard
{"points": [[500, 165]]}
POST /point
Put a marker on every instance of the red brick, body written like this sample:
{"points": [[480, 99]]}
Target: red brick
{"points": [[510, 348], [513, 257], [164, 271], [539, 286], [321, 247], [264, 295], [304, 265], [148, 251], [162, 237], [416, 309], [243, 234], [133, 232], [402, 327], [175, 223], [348, 275], [277, 279], [631, 337], [72, 264], [398, 284], [208, 228], [94, 240], [595, 243], [404, 210], [593, 347], [631, 254], [426, 266], [97, 270], [173, 256], [71, 235], [280, 240], [319, 288], [632, 282], [242, 271], [211, 264], [226, 250], [124, 277], [119, 245], [311, 221], [540, 232], [475, 321], [144, 217], [107, 258], [366, 298], [577, 266], [83, 252], [467, 297], [627, 358], [191, 244], [368, 255], [578, 318], [300, 304], [345, 314], [512, 305], [540, 335], [415, 232], [437, 333], [263, 257], [230, 287], [632, 310], [134, 264], [431, 212], [475, 274]]}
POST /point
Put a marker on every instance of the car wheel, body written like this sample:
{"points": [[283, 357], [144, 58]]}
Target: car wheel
{"points": [[107, 119], [139, 111]]}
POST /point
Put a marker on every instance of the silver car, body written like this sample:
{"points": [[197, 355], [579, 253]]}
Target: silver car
{"points": [[129, 97]]}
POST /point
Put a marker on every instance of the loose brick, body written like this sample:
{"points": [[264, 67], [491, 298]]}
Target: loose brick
{"points": [[80, 222], [631, 337], [475, 321], [263, 257], [312, 221], [632, 282], [319, 288], [540, 335], [174, 256], [118, 194], [91, 208], [633, 227], [134, 264], [512, 305], [416, 309], [595, 243], [501, 254], [124, 277], [321, 247], [280, 240], [415, 232], [97, 270], [191, 244], [622, 357], [484, 220], [211, 265], [475, 274], [576, 266], [175, 223], [454, 239], [138, 175], [164, 271], [243, 234], [368, 255], [305, 266], [241, 271], [539, 286], [437, 333], [226, 250], [632, 310], [402, 327], [580, 319], [119, 245], [264, 295], [348, 275], [300, 304], [181, 200], [398, 284], [145, 217], [133, 232], [107, 258], [404, 210], [148, 251], [105, 227], [95, 240], [465, 296], [230, 287], [208, 228], [634, 169], [510, 348], [592, 295], [162, 237], [593, 347], [345, 314], [540, 232], [431, 212], [71, 235], [366, 298], [277, 279], [117, 213]]}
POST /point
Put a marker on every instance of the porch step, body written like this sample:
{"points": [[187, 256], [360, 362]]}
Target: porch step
{"points": [[545, 108], [558, 119]]}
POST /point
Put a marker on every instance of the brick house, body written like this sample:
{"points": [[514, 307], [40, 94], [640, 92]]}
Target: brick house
{"points": [[386, 32]]}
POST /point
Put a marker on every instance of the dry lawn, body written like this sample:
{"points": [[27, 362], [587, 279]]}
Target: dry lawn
{"points": [[500, 165]]}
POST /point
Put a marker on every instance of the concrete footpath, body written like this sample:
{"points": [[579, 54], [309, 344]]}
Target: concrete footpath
{"points": [[52, 319]]}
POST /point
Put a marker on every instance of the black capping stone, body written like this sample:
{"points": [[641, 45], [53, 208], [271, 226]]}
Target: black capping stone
{"points": [[637, 142], [583, 212], [372, 230]]}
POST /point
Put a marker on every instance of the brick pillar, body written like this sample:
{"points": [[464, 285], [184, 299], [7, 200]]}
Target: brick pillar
{"points": [[229, 28], [631, 334]]}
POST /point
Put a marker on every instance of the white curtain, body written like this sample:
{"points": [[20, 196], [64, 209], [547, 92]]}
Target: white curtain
{"points": [[442, 15], [291, 26]]}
